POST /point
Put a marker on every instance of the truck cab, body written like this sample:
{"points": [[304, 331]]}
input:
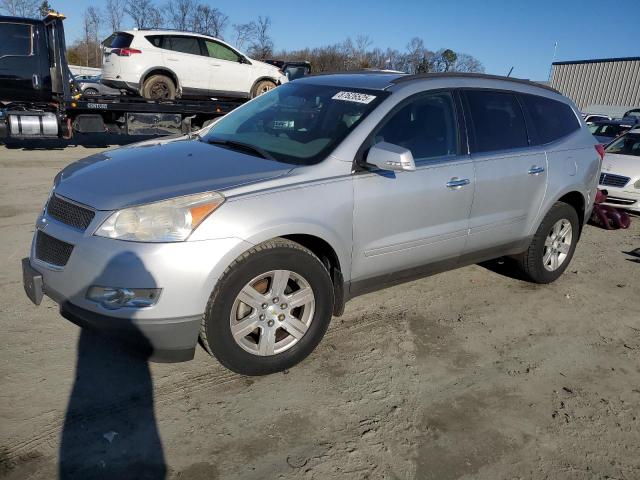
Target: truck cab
{"points": [[26, 60]]}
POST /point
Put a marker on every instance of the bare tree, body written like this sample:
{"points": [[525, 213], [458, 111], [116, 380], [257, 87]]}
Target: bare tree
{"points": [[417, 56], [95, 18], [144, 14], [245, 34], [20, 8], [468, 63], [115, 14], [262, 45], [209, 21], [180, 12]]}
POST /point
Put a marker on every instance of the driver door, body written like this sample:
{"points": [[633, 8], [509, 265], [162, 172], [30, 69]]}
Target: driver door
{"points": [[229, 72], [410, 222]]}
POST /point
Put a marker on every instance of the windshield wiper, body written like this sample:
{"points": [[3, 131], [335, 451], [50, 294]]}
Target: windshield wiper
{"points": [[243, 147]]}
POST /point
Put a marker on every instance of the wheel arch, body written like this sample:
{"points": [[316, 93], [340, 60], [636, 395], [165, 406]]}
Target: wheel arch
{"points": [[577, 200], [324, 245]]}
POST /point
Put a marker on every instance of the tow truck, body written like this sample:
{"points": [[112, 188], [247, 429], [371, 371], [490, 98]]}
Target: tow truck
{"points": [[38, 98]]}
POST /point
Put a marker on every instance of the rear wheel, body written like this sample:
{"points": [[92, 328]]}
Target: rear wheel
{"points": [[269, 310], [159, 87], [552, 246], [263, 86]]}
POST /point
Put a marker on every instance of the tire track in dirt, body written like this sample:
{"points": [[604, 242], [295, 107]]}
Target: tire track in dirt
{"points": [[171, 392]]}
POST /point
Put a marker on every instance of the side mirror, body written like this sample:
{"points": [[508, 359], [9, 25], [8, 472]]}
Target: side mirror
{"points": [[387, 156]]}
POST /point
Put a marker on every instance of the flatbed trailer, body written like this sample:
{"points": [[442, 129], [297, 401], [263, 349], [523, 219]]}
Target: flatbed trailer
{"points": [[38, 98]]}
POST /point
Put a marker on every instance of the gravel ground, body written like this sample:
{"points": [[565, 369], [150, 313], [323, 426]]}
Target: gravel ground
{"points": [[467, 374]]}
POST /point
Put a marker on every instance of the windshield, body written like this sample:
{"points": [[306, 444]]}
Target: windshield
{"points": [[628, 144], [606, 130], [296, 123]]}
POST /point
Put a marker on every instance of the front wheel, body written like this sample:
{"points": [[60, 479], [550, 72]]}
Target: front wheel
{"points": [[269, 310], [552, 247]]}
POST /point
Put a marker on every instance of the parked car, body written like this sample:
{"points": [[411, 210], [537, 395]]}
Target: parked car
{"points": [[591, 117], [605, 131], [254, 234], [292, 69], [94, 86], [635, 113], [161, 64], [620, 174]]}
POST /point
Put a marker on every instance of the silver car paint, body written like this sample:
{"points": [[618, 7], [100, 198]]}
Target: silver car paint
{"points": [[376, 223]]}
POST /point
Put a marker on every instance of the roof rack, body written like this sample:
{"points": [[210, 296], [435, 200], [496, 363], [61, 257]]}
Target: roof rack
{"points": [[419, 76], [355, 72]]}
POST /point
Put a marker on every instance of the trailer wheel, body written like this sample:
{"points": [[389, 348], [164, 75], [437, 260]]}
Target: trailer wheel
{"points": [[159, 87], [263, 86]]}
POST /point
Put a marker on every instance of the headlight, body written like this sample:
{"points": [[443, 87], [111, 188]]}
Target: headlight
{"points": [[166, 221]]}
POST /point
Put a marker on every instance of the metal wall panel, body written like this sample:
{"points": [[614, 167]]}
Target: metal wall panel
{"points": [[601, 82]]}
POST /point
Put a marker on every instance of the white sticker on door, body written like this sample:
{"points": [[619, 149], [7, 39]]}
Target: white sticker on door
{"points": [[354, 97]]}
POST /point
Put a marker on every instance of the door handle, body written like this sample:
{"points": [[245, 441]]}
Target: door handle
{"points": [[214, 64], [535, 170], [456, 183], [35, 80]]}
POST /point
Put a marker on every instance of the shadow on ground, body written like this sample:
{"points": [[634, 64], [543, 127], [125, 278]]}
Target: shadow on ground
{"points": [[110, 429]]}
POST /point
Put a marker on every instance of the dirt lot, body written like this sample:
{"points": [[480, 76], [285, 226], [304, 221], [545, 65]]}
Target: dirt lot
{"points": [[468, 374]]}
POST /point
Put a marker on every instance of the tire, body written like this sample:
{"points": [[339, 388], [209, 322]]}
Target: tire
{"points": [[90, 91], [542, 247], [263, 86], [159, 87], [250, 352]]}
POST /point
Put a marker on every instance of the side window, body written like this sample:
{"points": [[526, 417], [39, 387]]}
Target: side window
{"points": [[552, 119], [217, 50], [182, 44], [16, 39], [425, 125], [156, 40], [498, 122]]}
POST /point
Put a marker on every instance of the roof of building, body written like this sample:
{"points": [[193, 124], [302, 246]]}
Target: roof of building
{"points": [[598, 60]]}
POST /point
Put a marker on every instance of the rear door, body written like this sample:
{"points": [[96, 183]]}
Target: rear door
{"points": [[229, 72], [408, 220], [511, 175], [185, 57]]}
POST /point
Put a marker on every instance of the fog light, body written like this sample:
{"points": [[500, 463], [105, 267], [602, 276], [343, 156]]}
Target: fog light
{"points": [[117, 297]]}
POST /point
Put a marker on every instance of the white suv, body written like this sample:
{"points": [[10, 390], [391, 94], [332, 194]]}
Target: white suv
{"points": [[161, 64]]}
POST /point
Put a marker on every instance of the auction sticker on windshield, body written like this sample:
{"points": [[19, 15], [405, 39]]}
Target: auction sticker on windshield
{"points": [[354, 97]]}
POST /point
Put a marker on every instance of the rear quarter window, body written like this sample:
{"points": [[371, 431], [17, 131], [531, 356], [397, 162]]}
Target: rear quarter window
{"points": [[16, 39], [120, 40], [551, 119], [498, 121]]}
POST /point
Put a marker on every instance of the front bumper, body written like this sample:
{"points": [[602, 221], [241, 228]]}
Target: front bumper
{"points": [[185, 271], [625, 197]]}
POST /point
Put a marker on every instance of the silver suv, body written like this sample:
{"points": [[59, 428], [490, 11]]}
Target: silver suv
{"points": [[251, 236]]}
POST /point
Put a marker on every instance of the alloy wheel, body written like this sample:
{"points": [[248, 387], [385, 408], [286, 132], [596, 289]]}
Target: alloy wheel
{"points": [[557, 245], [272, 312]]}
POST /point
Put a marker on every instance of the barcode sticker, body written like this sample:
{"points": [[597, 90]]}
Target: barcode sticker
{"points": [[354, 97]]}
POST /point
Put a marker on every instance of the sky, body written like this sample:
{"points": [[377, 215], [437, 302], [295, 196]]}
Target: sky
{"points": [[500, 33]]}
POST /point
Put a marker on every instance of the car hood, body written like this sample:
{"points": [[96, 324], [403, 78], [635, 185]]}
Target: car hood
{"points": [[627, 165], [146, 173]]}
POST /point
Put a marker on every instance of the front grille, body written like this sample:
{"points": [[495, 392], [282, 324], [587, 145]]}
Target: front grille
{"points": [[51, 250], [611, 180], [69, 213], [620, 201]]}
